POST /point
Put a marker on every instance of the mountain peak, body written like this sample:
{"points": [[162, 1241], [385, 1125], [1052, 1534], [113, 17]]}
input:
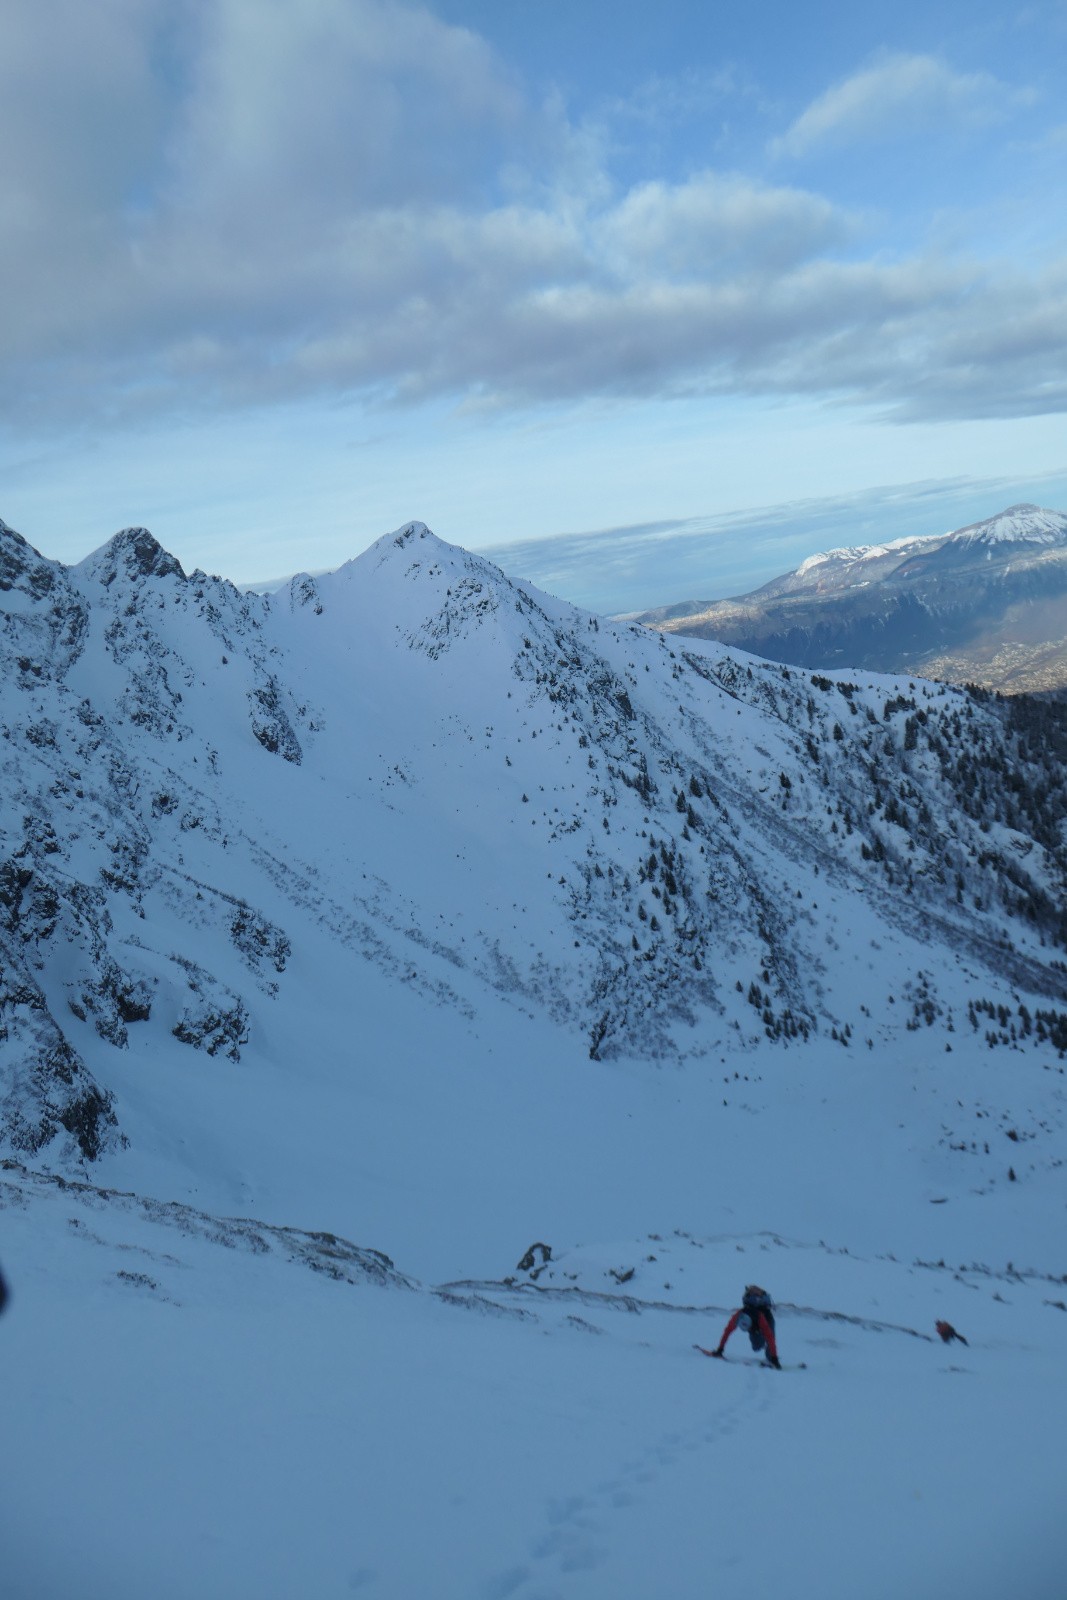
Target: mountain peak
{"points": [[14, 554], [1019, 524], [413, 539], [409, 574], [131, 553], [415, 551], [22, 567]]}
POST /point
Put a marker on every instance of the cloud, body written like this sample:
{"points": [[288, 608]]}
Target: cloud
{"points": [[334, 105], [81, 133], [232, 204], [897, 95], [179, 178], [714, 223]]}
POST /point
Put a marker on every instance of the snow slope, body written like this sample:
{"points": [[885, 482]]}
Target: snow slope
{"points": [[413, 908], [225, 1422]]}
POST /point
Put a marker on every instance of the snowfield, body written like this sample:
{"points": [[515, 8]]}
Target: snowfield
{"points": [[356, 940], [188, 1414]]}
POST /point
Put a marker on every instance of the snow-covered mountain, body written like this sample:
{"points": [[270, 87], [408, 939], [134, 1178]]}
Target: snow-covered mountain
{"points": [[1018, 525], [469, 788], [854, 564], [986, 604], [410, 910]]}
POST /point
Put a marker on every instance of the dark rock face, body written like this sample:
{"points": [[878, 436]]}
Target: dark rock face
{"points": [[271, 724], [45, 1086], [21, 567], [113, 999], [258, 940], [134, 553], [212, 1029], [87, 831], [40, 638]]}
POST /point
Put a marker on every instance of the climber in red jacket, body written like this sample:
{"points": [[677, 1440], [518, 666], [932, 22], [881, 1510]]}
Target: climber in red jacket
{"points": [[756, 1317]]}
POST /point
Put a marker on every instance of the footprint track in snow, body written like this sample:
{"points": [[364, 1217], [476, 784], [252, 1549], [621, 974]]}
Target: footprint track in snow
{"points": [[577, 1536]]}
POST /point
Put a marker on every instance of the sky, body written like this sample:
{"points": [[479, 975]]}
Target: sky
{"points": [[647, 302]]}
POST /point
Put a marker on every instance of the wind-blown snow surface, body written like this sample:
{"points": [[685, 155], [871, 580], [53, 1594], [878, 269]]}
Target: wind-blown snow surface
{"points": [[414, 906]]}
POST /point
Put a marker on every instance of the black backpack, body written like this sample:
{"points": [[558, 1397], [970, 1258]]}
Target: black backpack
{"points": [[756, 1300]]}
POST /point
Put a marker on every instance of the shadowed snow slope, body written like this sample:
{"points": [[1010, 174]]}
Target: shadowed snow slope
{"points": [[412, 911]]}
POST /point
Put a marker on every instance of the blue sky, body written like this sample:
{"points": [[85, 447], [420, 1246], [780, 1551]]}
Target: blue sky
{"points": [[649, 301]]}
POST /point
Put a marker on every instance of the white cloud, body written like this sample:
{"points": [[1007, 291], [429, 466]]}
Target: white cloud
{"points": [[228, 204], [714, 223], [897, 94], [334, 104], [81, 133]]}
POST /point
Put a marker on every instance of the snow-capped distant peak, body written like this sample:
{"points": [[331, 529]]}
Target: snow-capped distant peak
{"points": [[1021, 524], [848, 554]]}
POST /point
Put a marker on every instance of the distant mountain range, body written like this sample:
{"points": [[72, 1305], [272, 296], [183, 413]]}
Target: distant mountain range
{"points": [[986, 604]]}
